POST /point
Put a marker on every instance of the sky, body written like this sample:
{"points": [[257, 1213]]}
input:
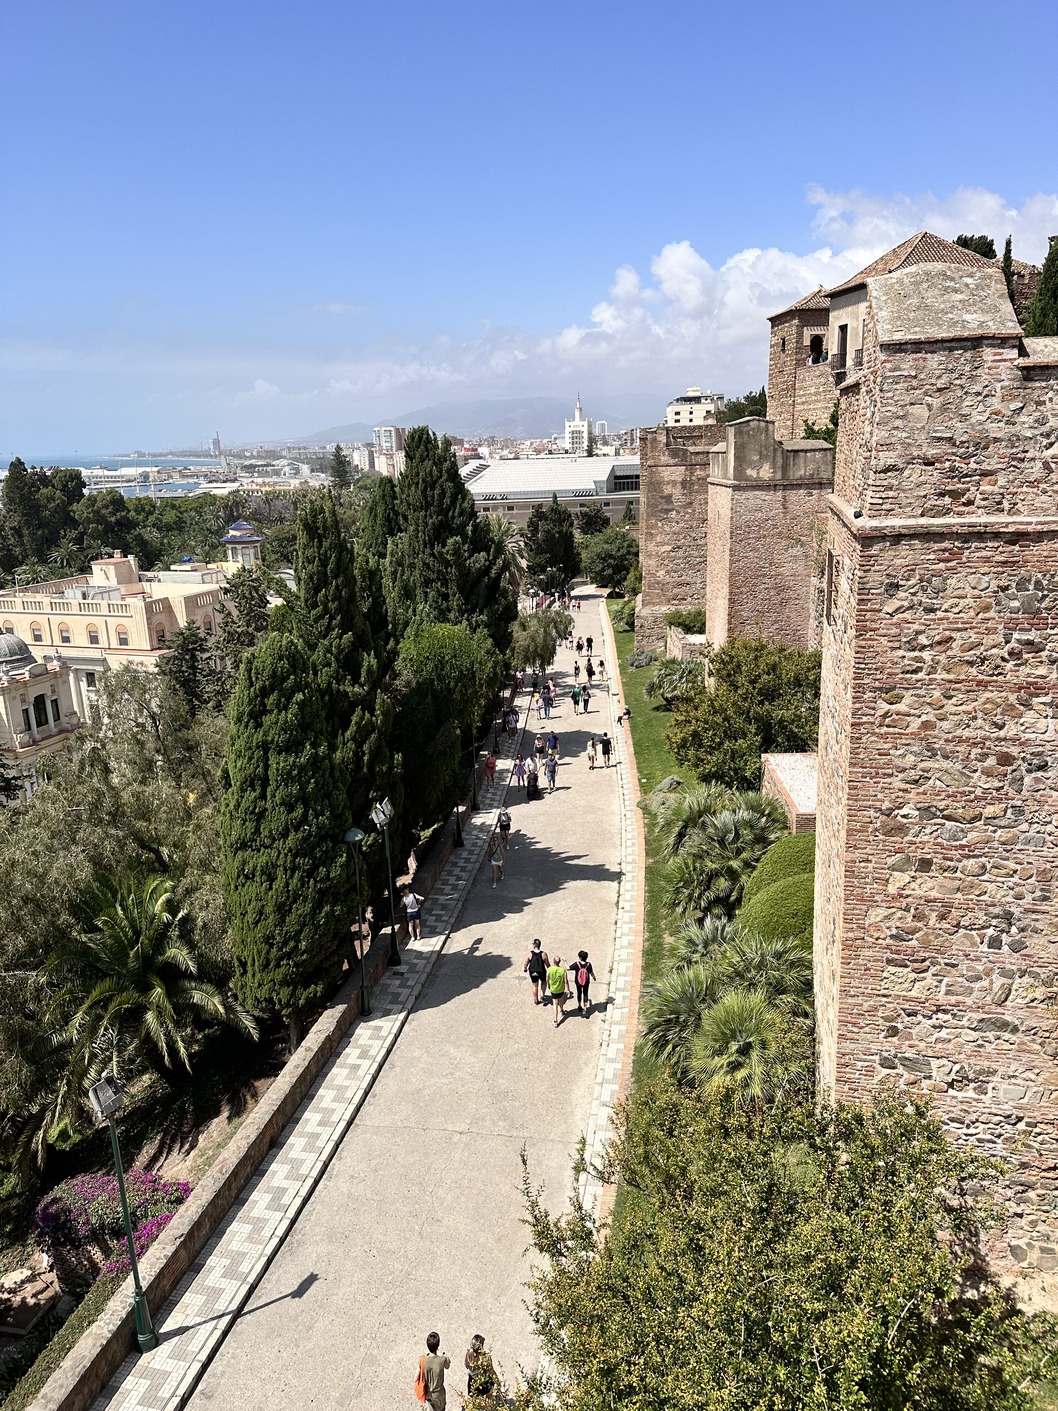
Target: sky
{"points": [[264, 219]]}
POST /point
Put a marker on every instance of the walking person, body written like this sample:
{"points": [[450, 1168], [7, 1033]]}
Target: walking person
{"points": [[585, 697], [432, 1369], [580, 645], [558, 988], [576, 671], [496, 859], [412, 912], [536, 964], [589, 672], [490, 767], [574, 696], [591, 753], [540, 706], [512, 723], [519, 771], [588, 642], [606, 746], [602, 670], [503, 824], [550, 771], [552, 743], [481, 1375], [532, 780], [583, 975], [545, 696]]}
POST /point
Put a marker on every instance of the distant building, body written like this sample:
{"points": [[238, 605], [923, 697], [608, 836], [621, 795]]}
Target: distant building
{"points": [[578, 430], [389, 463], [512, 489], [364, 459], [601, 428], [694, 408], [242, 545], [214, 446], [389, 439]]}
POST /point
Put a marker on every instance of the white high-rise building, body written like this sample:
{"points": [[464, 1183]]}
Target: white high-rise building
{"points": [[578, 431], [602, 428], [389, 439], [694, 408]]}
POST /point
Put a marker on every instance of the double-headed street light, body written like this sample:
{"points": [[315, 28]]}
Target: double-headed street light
{"points": [[355, 838], [107, 1098], [382, 817]]}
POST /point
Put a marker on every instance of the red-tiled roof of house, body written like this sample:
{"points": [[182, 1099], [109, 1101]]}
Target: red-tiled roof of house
{"points": [[925, 248]]}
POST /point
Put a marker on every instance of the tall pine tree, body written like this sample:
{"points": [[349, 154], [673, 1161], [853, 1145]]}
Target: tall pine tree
{"points": [[285, 869], [379, 521], [348, 669], [551, 547], [444, 565], [340, 469]]}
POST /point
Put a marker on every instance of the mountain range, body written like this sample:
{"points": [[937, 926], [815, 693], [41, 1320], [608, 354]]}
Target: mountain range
{"points": [[521, 418]]}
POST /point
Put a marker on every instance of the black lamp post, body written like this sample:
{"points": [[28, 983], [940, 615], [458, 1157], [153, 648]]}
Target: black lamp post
{"points": [[355, 838], [382, 817], [107, 1098]]}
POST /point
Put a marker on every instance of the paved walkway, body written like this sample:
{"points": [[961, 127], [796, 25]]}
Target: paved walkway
{"points": [[319, 1292]]}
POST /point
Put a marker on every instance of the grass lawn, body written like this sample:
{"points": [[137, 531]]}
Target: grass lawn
{"points": [[654, 761]]}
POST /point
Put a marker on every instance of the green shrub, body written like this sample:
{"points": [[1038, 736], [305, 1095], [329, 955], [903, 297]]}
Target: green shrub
{"points": [[31, 1383], [634, 582], [642, 656], [783, 909], [687, 619], [624, 618], [792, 856]]}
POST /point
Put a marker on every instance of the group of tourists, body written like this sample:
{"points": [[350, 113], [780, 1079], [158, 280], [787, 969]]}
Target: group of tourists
{"points": [[550, 980], [482, 1381]]}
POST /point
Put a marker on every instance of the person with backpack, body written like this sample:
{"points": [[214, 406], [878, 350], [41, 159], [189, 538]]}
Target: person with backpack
{"points": [[536, 963], [589, 672], [503, 823], [585, 697], [558, 988], [583, 975], [574, 696], [606, 744]]}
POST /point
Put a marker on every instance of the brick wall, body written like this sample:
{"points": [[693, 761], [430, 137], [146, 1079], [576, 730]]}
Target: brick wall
{"points": [[936, 924], [798, 391], [767, 507], [673, 523]]}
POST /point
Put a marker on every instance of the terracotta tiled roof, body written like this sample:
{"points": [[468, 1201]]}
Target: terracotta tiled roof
{"points": [[816, 300], [925, 248]]}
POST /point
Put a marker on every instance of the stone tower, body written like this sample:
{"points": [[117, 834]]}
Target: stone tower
{"points": [[800, 381], [936, 926]]}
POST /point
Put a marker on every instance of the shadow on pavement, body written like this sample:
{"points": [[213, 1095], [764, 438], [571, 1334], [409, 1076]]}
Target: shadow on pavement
{"points": [[459, 971]]}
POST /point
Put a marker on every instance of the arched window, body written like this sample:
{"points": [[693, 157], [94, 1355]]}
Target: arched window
{"points": [[36, 631], [815, 348], [123, 637], [207, 626], [64, 634], [9, 627], [93, 635], [159, 634]]}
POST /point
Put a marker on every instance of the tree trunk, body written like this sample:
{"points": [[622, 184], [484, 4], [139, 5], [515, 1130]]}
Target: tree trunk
{"points": [[294, 1033]]}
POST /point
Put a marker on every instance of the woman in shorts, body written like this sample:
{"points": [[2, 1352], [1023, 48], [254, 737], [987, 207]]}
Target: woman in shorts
{"points": [[536, 963], [583, 975]]}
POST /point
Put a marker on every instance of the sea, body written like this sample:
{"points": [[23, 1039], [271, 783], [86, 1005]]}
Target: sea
{"points": [[169, 482]]}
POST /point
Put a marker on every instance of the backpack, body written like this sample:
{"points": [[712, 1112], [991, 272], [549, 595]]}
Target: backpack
{"points": [[504, 819], [582, 975], [420, 1380]]}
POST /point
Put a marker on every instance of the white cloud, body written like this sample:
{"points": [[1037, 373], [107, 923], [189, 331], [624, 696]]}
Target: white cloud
{"points": [[682, 321]]}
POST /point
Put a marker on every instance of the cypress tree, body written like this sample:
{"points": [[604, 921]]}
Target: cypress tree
{"points": [[1008, 267], [444, 565], [285, 869], [1041, 320], [347, 668], [379, 521], [340, 469]]}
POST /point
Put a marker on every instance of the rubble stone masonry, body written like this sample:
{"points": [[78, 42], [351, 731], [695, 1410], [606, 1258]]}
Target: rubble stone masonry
{"points": [[936, 921], [673, 523]]}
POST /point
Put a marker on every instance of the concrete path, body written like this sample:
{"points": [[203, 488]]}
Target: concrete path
{"points": [[416, 1223]]}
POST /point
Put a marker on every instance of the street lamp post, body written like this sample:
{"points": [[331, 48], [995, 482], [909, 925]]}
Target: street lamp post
{"points": [[107, 1098], [382, 817], [355, 837]]}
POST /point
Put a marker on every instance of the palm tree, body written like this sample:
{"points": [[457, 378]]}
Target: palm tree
{"points": [[672, 1013], [779, 967], [717, 859], [745, 1046], [681, 812], [129, 981], [509, 538], [700, 940]]}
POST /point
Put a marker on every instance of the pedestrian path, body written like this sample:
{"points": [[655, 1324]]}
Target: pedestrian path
{"points": [[358, 1236]]}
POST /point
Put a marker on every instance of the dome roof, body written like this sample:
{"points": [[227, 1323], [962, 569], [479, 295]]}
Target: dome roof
{"points": [[14, 654]]}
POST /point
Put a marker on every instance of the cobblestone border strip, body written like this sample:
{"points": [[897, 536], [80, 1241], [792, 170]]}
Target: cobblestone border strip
{"points": [[252, 1203], [614, 1073]]}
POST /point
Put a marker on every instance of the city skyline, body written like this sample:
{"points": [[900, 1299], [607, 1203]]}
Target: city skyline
{"points": [[191, 245]]}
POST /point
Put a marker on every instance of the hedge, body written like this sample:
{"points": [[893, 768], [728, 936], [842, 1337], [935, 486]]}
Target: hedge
{"points": [[783, 909], [792, 856]]}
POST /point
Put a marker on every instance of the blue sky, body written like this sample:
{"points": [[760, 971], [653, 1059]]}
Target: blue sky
{"points": [[268, 218]]}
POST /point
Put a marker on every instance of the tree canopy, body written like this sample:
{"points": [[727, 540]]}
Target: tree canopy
{"points": [[551, 555], [979, 244], [608, 558], [752, 404], [340, 469], [1041, 319]]}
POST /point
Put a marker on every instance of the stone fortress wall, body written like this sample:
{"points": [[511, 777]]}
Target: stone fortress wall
{"points": [[936, 922]]}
